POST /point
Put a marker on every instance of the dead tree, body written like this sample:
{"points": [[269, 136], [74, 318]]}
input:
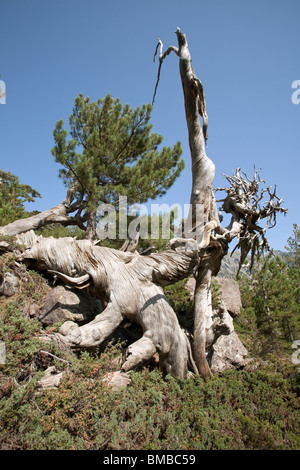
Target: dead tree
{"points": [[130, 284], [242, 202]]}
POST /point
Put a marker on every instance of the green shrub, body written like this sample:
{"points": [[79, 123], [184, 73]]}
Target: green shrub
{"points": [[239, 410]]}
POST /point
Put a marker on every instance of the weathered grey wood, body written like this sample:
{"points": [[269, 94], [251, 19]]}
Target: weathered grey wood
{"points": [[58, 214], [50, 379], [142, 350], [131, 285], [242, 202], [203, 171], [249, 204]]}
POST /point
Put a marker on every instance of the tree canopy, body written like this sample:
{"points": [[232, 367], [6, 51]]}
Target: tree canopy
{"points": [[293, 248], [13, 195], [112, 151], [271, 305]]}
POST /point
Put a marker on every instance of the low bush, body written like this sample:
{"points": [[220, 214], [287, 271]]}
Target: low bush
{"points": [[239, 410]]}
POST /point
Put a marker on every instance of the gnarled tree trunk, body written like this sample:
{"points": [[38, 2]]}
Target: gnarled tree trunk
{"points": [[132, 287], [202, 199], [241, 202], [130, 284]]}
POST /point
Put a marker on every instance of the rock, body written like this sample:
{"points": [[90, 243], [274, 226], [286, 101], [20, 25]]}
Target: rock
{"points": [[222, 325], [227, 353], [30, 310], [230, 295], [51, 378], [9, 284], [63, 303], [4, 245], [2, 352], [67, 327], [118, 380]]}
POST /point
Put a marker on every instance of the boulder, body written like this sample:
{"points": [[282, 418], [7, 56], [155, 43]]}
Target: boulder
{"points": [[63, 304], [229, 292], [117, 380], [30, 309], [8, 284], [230, 295], [227, 353], [51, 378], [2, 352]]}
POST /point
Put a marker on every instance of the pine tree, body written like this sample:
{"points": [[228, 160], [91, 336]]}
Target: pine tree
{"points": [[293, 248], [293, 258], [271, 305], [13, 195], [112, 151]]}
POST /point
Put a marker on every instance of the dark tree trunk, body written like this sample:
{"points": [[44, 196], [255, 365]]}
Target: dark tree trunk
{"points": [[91, 225]]}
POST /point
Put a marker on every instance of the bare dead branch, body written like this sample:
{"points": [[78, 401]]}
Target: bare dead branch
{"points": [[161, 59], [246, 202]]}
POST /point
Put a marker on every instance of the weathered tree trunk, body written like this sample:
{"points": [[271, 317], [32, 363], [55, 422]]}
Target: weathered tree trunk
{"points": [[203, 172], [91, 225], [202, 201], [242, 202], [58, 214], [204, 215], [132, 287]]}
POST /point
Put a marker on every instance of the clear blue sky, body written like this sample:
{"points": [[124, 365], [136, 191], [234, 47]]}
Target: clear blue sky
{"points": [[246, 54]]}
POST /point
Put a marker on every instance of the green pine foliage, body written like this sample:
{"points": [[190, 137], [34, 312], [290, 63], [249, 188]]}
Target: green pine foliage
{"points": [[255, 408], [59, 231], [293, 248], [13, 195], [271, 308], [112, 151]]}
